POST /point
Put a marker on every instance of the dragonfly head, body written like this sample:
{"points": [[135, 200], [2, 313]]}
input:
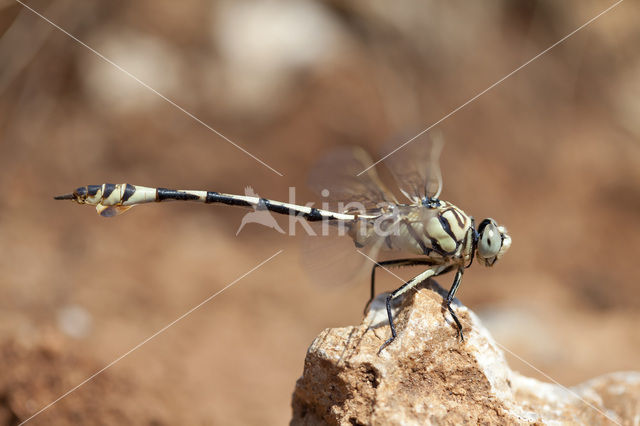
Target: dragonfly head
{"points": [[493, 242]]}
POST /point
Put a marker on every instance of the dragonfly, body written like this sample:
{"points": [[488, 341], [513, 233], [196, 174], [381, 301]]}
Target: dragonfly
{"points": [[437, 234]]}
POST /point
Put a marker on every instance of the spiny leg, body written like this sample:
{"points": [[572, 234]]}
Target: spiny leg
{"points": [[406, 286], [394, 262], [450, 297]]}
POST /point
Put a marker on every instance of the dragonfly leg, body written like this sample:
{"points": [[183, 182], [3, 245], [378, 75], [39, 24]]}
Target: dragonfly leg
{"points": [[393, 328], [450, 296], [405, 287], [394, 262]]}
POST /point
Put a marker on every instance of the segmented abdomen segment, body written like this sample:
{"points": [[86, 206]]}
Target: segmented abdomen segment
{"points": [[311, 214], [124, 194]]}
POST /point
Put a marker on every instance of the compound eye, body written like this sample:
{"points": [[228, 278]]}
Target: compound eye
{"points": [[490, 241]]}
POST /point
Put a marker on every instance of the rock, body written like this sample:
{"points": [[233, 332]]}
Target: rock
{"points": [[428, 376]]}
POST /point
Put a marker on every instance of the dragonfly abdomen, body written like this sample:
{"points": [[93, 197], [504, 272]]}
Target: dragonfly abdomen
{"points": [[112, 199]]}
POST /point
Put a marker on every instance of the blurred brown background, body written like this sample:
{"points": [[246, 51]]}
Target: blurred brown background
{"points": [[553, 153]]}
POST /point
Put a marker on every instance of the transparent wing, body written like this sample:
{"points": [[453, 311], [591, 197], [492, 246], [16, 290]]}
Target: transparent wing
{"points": [[333, 260], [337, 173], [416, 165]]}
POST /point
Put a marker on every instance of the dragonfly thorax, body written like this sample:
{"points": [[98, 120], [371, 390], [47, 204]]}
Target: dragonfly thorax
{"points": [[441, 231]]}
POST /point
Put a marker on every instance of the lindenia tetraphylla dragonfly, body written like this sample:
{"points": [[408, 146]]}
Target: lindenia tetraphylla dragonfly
{"points": [[440, 236]]}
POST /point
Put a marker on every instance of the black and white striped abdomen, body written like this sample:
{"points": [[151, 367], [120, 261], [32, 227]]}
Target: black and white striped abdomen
{"points": [[124, 194], [112, 199]]}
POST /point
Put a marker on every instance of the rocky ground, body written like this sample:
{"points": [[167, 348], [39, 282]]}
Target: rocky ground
{"points": [[428, 376]]}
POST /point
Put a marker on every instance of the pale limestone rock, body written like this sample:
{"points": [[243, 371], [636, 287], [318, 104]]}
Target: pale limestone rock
{"points": [[427, 376]]}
